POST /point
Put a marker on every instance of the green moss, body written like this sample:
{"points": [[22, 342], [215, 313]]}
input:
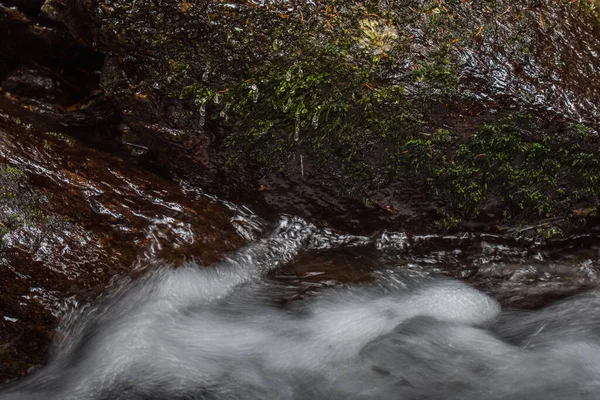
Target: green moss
{"points": [[10, 178], [11, 173], [448, 223], [21, 123], [553, 233], [532, 174], [60, 137], [336, 113], [322, 86]]}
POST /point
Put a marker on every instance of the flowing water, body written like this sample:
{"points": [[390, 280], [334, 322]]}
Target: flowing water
{"points": [[308, 313]]}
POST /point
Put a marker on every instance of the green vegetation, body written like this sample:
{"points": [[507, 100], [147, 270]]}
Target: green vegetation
{"points": [[59, 137], [21, 207], [334, 103], [10, 178], [347, 113], [18, 206], [534, 174], [9, 181]]}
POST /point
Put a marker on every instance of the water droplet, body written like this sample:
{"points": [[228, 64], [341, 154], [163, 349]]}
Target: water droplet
{"points": [[217, 98], [202, 118], [288, 75], [206, 73], [297, 131], [202, 110]]}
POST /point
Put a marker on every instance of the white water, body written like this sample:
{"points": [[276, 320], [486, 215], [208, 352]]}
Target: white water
{"points": [[215, 333]]}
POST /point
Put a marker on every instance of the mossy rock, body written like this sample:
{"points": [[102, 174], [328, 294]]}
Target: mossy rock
{"points": [[422, 111]]}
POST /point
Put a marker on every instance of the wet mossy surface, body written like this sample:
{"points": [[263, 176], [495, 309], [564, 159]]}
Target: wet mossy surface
{"points": [[470, 110], [534, 172], [73, 222], [18, 203]]}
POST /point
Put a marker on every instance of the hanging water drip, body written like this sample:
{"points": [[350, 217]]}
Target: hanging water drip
{"points": [[202, 110], [288, 75], [202, 118], [206, 73], [315, 118], [297, 127], [217, 98], [254, 90]]}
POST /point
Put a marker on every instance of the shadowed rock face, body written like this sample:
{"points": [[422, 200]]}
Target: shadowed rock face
{"points": [[372, 109]]}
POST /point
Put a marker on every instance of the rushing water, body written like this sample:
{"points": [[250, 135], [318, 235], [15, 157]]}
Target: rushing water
{"points": [[243, 329]]}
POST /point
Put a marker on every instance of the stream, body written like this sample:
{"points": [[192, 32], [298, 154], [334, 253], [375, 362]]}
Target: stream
{"points": [[149, 288], [310, 313]]}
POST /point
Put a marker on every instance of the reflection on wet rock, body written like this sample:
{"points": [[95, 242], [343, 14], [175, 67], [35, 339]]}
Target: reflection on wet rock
{"points": [[72, 219]]}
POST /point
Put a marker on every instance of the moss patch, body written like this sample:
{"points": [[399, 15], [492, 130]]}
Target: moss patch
{"points": [[533, 173]]}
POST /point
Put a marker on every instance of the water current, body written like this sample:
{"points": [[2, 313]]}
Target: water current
{"points": [[275, 320]]}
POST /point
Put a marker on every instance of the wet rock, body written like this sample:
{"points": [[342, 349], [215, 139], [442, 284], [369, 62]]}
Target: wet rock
{"points": [[360, 115], [30, 7], [35, 82], [26, 41], [74, 221], [41, 62], [345, 101]]}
